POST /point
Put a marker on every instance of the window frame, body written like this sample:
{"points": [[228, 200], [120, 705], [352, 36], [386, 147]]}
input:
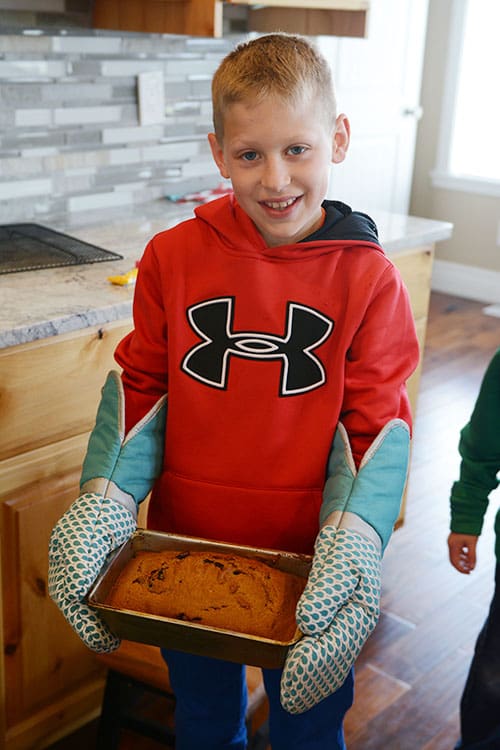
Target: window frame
{"points": [[441, 176]]}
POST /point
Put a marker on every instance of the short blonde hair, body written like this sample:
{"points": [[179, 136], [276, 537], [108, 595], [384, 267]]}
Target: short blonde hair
{"points": [[283, 65]]}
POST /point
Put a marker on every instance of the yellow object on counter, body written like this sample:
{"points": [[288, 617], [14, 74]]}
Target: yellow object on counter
{"points": [[124, 279]]}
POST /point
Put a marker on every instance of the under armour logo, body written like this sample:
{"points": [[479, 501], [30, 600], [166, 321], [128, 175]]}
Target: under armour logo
{"points": [[301, 369]]}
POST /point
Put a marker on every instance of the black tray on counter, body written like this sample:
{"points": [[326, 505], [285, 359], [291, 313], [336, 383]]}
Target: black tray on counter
{"points": [[29, 247]]}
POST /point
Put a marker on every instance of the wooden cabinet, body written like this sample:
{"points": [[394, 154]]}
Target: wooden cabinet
{"points": [[193, 17], [50, 683], [312, 17], [415, 267], [214, 17]]}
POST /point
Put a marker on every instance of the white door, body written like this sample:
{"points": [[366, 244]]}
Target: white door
{"points": [[378, 87]]}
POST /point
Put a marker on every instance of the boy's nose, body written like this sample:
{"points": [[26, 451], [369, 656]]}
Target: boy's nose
{"points": [[275, 175]]}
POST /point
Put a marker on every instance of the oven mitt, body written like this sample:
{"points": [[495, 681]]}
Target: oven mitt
{"points": [[92, 527], [118, 473], [337, 612], [340, 605]]}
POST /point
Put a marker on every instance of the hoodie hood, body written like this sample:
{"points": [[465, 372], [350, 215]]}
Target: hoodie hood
{"points": [[237, 232], [342, 223]]}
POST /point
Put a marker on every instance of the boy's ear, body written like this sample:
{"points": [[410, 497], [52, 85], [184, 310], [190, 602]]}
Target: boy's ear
{"points": [[341, 138], [218, 154]]}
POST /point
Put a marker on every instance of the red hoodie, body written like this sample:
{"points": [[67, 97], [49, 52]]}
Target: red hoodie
{"points": [[262, 351]]}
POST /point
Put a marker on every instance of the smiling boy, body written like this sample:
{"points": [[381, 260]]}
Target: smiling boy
{"points": [[278, 160], [284, 338]]}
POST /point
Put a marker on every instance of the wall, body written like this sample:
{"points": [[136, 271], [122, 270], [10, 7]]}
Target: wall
{"points": [[70, 136], [469, 263]]}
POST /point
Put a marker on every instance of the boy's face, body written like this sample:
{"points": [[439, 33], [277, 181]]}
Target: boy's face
{"points": [[277, 156]]}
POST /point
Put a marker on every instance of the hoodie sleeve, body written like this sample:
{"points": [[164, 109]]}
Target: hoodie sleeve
{"points": [[383, 355], [479, 448], [143, 352]]}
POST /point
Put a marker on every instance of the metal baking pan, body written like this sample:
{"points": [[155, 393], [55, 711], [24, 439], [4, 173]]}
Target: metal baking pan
{"points": [[187, 636]]}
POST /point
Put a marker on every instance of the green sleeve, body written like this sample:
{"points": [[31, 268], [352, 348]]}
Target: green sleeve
{"points": [[479, 448]]}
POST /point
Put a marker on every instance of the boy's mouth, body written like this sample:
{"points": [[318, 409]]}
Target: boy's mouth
{"points": [[280, 205]]}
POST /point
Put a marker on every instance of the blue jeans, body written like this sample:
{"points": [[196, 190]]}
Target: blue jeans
{"points": [[480, 703], [211, 702]]}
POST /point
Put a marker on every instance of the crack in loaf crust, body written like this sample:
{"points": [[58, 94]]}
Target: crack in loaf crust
{"points": [[210, 588]]}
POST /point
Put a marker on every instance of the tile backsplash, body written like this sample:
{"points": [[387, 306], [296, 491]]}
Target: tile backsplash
{"points": [[73, 138]]}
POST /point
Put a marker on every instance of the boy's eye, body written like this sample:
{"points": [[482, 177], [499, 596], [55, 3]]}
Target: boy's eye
{"points": [[296, 150], [249, 156]]}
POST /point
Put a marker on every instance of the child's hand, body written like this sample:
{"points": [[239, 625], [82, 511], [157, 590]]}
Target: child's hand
{"points": [[90, 529], [462, 551], [337, 611]]}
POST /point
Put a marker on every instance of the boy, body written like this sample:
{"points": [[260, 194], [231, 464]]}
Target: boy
{"points": [[284, 337], [479, 448]]}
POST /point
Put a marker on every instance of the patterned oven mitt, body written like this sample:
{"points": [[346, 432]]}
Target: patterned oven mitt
{"points": [[91, 528], [337, 612], [340, 605], [118, 473]]}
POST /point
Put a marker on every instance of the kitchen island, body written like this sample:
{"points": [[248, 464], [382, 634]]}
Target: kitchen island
{"points": [[58, 331]]}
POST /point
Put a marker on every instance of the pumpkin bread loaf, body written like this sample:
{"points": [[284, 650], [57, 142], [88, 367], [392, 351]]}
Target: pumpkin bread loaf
{"points": [[210, 588]]}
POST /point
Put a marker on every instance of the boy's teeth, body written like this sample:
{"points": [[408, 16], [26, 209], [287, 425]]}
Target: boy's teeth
{"points": [[280, 204]]}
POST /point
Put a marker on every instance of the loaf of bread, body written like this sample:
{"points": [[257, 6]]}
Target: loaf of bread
{"points": [[210, 588]]}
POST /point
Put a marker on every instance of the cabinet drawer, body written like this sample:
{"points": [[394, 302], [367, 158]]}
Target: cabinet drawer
{"points": [[50, 389]]}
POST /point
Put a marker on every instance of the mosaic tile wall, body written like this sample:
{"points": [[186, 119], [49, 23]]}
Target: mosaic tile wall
{"points": [[72, 136]]}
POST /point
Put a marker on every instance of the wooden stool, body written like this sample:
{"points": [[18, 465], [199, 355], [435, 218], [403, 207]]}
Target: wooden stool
{"points": [[136, 670]]}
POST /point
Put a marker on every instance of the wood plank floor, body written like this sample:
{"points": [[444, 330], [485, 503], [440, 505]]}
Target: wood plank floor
{"points": [[410, 675]]}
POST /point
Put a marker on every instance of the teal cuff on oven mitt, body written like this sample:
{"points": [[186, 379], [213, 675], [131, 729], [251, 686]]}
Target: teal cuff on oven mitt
{"points": [[118, 472], [340, 605]]}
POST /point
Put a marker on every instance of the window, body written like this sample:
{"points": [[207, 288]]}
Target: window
{"points": [[469, 147]]}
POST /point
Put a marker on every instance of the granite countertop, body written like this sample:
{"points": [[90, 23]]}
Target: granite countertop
{"points": [[43, 303]]}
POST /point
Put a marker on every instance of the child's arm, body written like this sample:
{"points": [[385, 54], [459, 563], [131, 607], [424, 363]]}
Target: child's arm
{"points": [[118, 472], [365, 482], [340, 605], [479, 448], [124, 456], [143, 354]]}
